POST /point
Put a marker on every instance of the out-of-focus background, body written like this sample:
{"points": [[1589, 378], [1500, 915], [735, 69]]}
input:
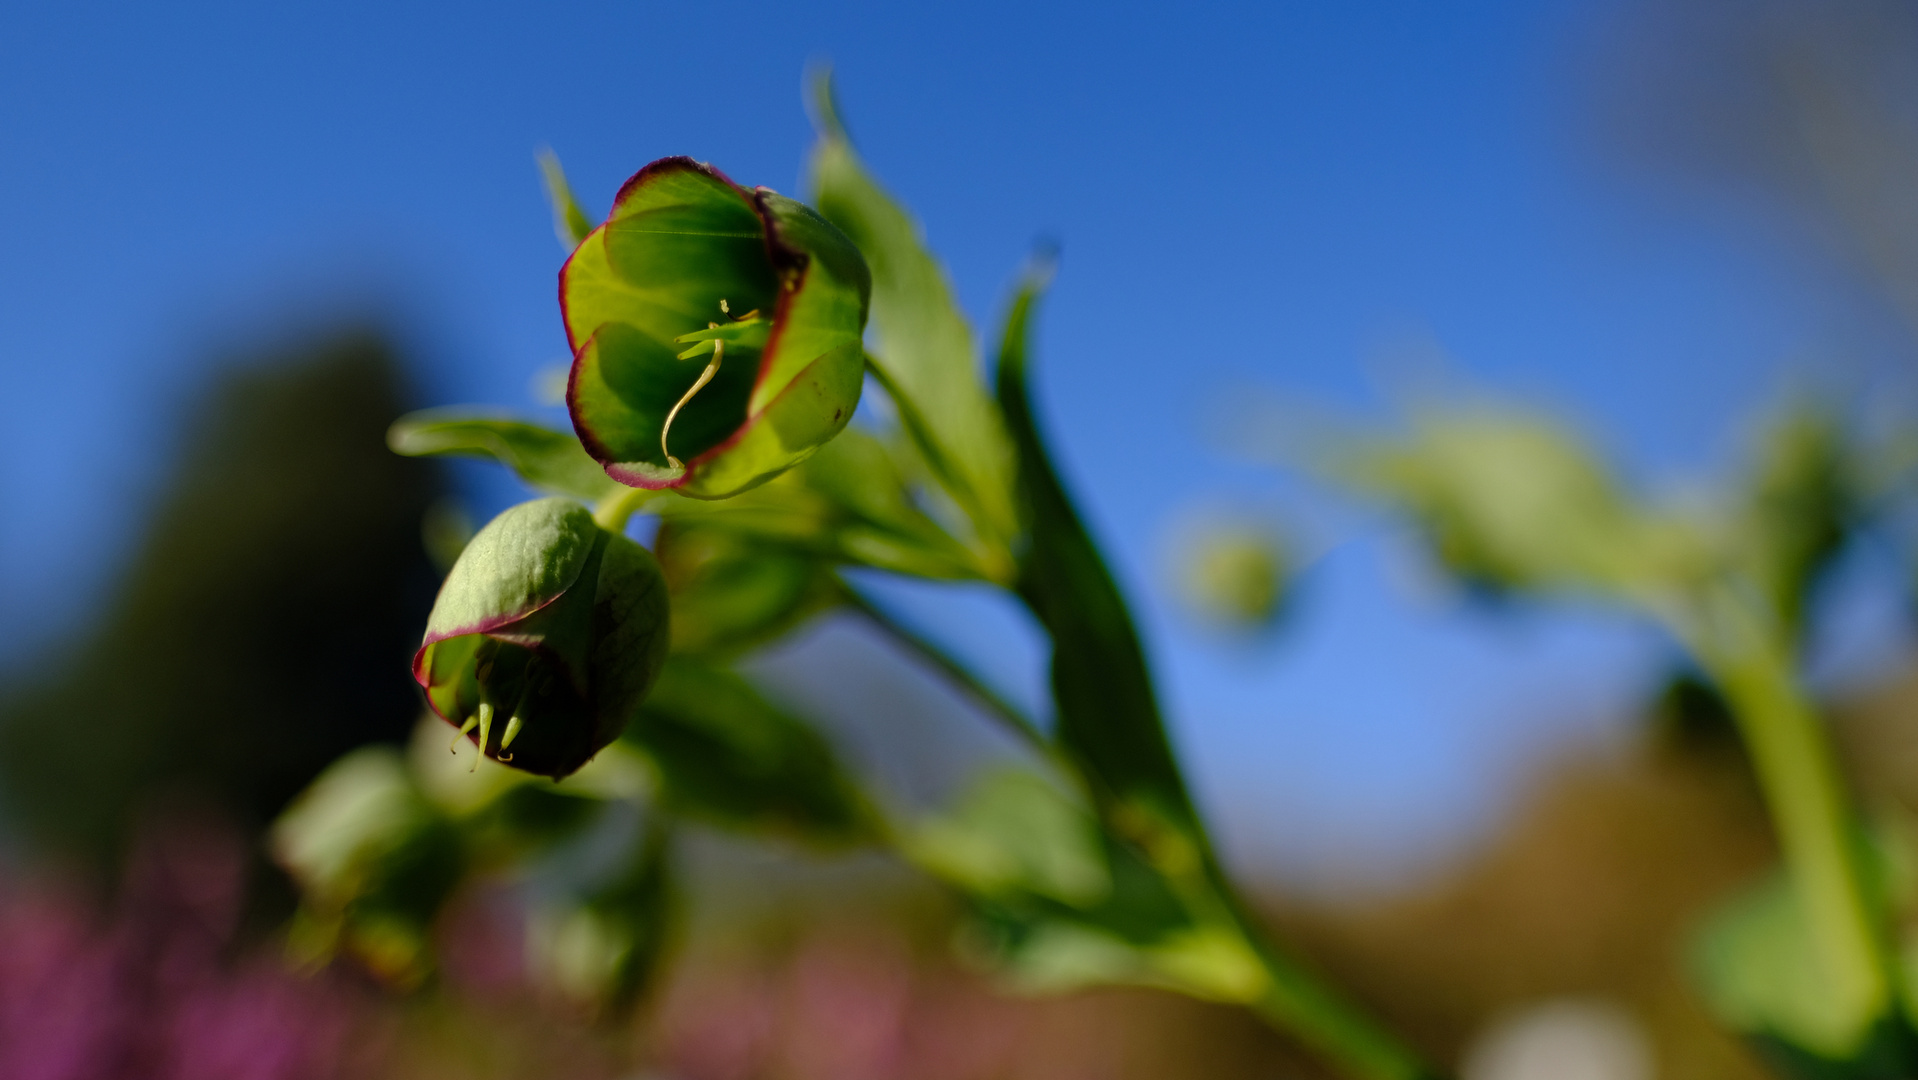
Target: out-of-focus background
{"points": [[240, 240]]}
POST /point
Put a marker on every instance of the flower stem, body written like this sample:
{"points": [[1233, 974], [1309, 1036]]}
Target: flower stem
{"points": [[1753, 663], [615, 510]]}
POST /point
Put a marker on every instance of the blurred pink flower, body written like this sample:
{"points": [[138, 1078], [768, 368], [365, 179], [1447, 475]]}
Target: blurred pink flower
{"points": [[149, 992]]}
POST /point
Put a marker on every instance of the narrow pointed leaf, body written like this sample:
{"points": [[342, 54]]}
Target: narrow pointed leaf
{"points": [[552, 461], [570, 223], [1108, 709], [926, 352]]}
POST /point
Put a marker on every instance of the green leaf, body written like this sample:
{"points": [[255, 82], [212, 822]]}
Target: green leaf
{"points": [[729, 756], [605, 947], [1510, 500], [731, 594], [1799, 506], [926, 358], [686, 250], [1107, 708], [1062, 907], [1015, 833], [375, 861], [570, 223], [848, 504], [552, 461], [1761, 971]]}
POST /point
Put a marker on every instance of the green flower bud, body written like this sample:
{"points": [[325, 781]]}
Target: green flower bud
{"points": [[716, 332], [545, 638]]}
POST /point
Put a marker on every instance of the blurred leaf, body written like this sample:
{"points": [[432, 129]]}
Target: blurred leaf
{"points": [[1798, 508], [927, 358], [848, 503], [731, 594], [570, 223], [1760, 971], [1059, 955], [606, 947], [1016, 832], [552, 461], [375, 860], [727, 755], [1512, 501], [1108, 711], [379, 842], [1062, 907]]}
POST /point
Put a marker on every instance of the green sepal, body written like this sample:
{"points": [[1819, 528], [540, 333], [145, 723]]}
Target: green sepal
{"points": [[552, 461], [927, 358], [728, 756], [550, 619], [682, 239]]}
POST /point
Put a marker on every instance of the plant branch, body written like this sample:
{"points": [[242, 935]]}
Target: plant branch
{"points": [[615, 510], [1752, 661]]}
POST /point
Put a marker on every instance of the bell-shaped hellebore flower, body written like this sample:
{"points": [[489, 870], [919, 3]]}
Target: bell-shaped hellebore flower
{"points": [[715, 331], [545, 638]]}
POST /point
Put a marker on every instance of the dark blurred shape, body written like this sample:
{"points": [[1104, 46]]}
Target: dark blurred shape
{"points": [[264, 625], [1689, 714], [1811, 102]]}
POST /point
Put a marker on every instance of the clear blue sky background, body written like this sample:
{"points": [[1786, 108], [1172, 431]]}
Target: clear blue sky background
{"points": [[1258, 194]]}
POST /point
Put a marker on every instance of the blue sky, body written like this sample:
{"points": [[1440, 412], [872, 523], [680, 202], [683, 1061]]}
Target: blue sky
{"points": [[1291, 196]]}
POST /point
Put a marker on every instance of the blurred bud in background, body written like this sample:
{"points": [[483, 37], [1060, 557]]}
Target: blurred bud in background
{"points": [[1232, 572]]}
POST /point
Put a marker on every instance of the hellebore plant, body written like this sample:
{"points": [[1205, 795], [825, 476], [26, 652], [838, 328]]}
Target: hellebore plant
{"points": [[719, 338]]}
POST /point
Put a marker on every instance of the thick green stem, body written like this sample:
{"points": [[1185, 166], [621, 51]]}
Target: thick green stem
{"points": [[615, 510], [1754, 665]]}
